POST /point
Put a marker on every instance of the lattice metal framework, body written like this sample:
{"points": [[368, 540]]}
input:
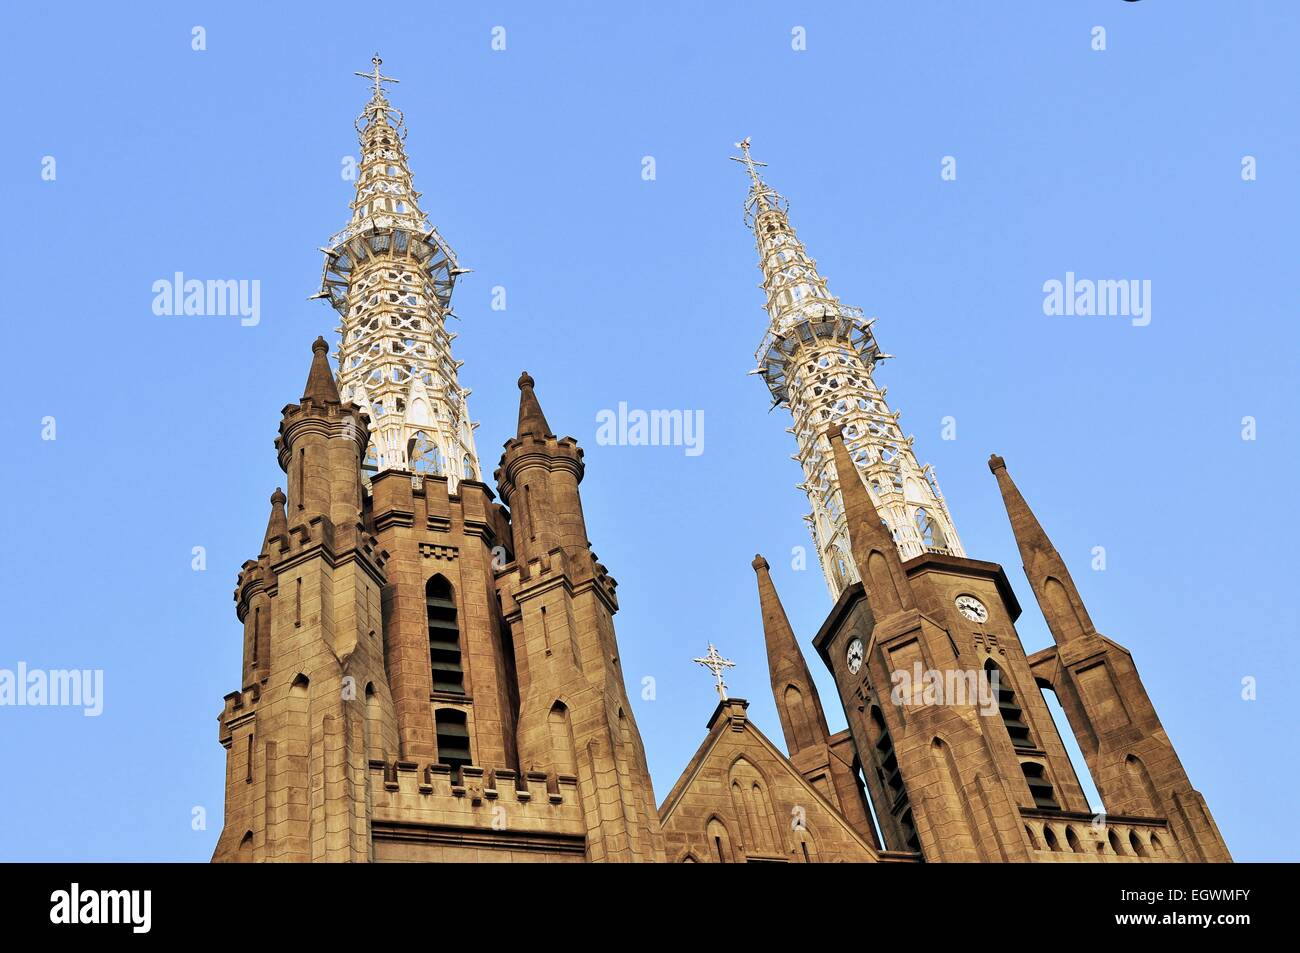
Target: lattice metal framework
{"points": [[391, 275], [818, 359]]}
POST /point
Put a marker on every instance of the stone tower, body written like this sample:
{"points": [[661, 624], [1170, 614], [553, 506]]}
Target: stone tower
{"points": [[948, 729], [428, 674]]}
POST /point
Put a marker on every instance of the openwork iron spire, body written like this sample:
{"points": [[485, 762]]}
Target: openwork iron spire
{"points": [[818, 359], [390, 275]]}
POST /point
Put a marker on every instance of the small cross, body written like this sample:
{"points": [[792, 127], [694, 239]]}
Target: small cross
{"points": [[376, 78], [748, 160], [716, 664]]}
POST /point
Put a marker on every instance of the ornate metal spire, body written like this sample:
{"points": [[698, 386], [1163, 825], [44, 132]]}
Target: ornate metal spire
{"points": [[818, 359], [376, 78], [390, 275], [716, 664]]}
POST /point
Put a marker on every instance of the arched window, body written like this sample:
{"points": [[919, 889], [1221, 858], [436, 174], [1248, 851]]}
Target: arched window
{"points": [[1136, 843], [1012, 715], [892, 779], [1140, 783], [925, 525], [719, 842], [563, 758], [798, 715], [1049, 836], [1039, 786], [1033, 838], [374, 726], [1072, 839], [453, 737], [423, 455], [1061, 722], [444, 636]]}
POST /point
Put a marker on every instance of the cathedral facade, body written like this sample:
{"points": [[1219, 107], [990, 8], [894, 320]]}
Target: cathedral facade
{"points": [[431, 673]]}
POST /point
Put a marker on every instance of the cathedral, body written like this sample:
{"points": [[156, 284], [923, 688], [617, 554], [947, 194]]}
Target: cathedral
{"points": [[431, 672]]}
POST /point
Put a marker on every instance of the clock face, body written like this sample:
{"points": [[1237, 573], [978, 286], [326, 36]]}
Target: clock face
{"points": [[854, 657], [972, 608]]}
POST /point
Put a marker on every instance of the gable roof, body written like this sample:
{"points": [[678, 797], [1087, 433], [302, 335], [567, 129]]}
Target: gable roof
{"points": [[730, 716]]}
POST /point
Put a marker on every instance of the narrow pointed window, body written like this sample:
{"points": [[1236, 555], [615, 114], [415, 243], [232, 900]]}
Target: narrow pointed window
{"points": [[1039, 786], [453, 738], [1013, 717], [891, 780], [423, 455], [444, 636]]}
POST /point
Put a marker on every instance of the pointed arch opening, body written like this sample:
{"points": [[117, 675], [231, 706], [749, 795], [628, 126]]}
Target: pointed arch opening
{"points": [[1072, 839], [798, 715], [891, 780], [374, 726], [715, 833], [1049, 838], [444, 636], [1013, 717], [1070, 743], [564, 759], [1135, 842], [1040, 786], [452, 730], [1140, 786]]}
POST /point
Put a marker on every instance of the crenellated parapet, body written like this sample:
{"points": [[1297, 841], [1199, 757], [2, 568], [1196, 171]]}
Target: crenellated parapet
{"points": [[550, 452], [432, 812], [301, 540], [329, 419], [238, 708]]}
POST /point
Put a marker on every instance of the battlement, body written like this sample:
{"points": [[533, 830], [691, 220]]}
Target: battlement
{"points": [[237, 707], [472, 797], [515, 576], [402, 498], [256, 575], [325, 418], [553, 453]]}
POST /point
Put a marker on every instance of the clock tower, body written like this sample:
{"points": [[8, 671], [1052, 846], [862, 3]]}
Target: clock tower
{"points": [[953, 734], [947, 721]]}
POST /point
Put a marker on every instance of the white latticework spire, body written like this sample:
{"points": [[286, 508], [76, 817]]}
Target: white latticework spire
{"points": [[390, 275], [818, 359]]}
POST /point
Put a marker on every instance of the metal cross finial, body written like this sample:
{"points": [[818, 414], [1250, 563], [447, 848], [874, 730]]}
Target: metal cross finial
{"points": [[716, 664], [375, 78], [749, 161]]}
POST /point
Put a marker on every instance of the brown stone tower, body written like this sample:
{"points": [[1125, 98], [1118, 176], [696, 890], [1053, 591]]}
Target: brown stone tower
{"points": [[427, 675], [424, 680], [960, 753], [575, 720], [315, 697]]}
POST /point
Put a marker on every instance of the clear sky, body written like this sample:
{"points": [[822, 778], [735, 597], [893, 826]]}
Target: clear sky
{"points": [[225, 163]]}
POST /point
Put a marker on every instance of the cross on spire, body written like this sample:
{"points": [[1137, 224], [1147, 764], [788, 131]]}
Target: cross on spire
{"points": [[377, 79], [749, 161], [716, 664]]}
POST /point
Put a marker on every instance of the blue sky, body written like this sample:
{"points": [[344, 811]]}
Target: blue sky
{"points": [[226, 163]]}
